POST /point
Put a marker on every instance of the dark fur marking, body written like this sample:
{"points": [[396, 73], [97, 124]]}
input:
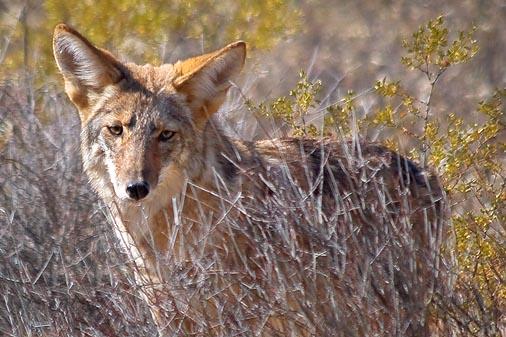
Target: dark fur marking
{"points": [[408, 171], [229, 169], [133, 120]]}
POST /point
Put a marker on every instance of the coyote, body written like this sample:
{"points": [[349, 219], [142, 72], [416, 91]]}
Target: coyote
{"points": [[278, 237]]}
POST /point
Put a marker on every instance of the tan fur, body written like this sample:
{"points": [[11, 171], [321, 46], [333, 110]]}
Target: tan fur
{"points": [[308, 237]]}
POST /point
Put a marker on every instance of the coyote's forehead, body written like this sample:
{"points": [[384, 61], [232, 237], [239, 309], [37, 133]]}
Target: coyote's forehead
{"points": [[152, 78], [145, 98]]}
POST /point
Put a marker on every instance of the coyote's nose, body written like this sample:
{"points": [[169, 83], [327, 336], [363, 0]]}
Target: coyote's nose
{"points": [[138, 190]]}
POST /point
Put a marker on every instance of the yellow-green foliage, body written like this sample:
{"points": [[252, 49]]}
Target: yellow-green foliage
{"points": [[468, 155], [339, 116], [293, 109], [429, 47], [138, 29], [474, 170]]}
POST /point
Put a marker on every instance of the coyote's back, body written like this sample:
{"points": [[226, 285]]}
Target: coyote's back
{"points": [[282, 237]]}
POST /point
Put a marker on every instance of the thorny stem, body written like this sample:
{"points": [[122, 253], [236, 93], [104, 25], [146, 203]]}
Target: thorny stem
{"points": [[427, 103]]}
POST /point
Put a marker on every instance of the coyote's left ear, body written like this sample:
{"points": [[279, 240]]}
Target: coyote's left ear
{"points": [[205, 79]]}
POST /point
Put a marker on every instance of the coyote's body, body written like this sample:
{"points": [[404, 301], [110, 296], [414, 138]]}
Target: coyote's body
{"points": [[284, 237]]}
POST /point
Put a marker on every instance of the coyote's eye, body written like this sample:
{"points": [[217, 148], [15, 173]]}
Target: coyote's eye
{"points": [[166, 135], [116, 130]]}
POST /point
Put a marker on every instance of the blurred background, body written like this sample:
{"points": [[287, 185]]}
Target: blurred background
{"points": [[61, 273], [345, 43]]}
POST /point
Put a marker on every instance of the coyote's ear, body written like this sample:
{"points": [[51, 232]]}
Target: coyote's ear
{"points": [[205, 79], [86, 69]]}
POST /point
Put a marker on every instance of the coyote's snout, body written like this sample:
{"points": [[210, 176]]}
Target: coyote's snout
{"points": [[280, 237]]}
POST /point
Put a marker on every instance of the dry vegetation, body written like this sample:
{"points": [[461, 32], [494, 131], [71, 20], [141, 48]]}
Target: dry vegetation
{"points": [[61, 271]]}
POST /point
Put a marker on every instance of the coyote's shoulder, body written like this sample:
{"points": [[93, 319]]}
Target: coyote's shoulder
{"points": [[277, 237]]}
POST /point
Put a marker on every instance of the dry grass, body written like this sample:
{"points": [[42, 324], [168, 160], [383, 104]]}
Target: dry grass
{"points": [[63, 274]]}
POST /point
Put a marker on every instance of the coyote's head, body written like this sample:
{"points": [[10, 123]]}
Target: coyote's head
{"points": [[142, 125]]}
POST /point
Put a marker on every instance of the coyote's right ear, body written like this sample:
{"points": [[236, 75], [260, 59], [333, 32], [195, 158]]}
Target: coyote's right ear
{"points": [[86, 69], [205, 79]]}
